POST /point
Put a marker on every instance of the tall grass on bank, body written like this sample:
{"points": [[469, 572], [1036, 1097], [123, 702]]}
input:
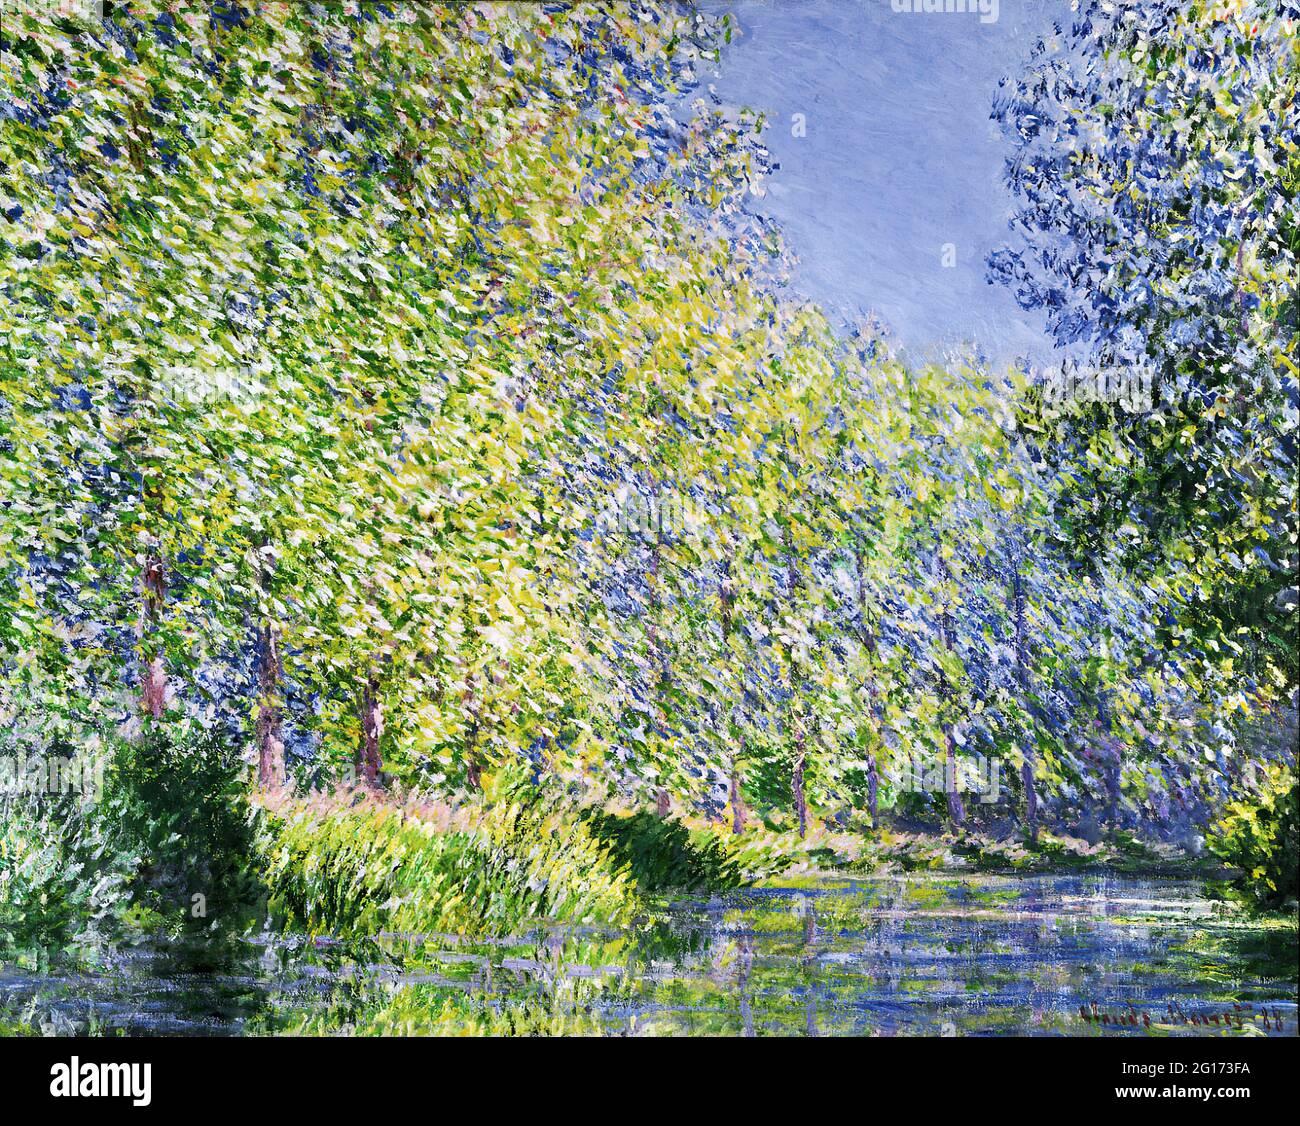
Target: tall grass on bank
{"points": [[353, 864]]}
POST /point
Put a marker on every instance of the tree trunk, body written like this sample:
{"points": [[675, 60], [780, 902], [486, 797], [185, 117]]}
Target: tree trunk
{"points": [[372, 727], [873, 790], [1022, 681], [1114, 764], [956, 810], [658, 660], [800, 803], [473, 709], [269, 729], [1031, 794], [153, 694], [796, 724], [873, 696], [727, 598], [737, 803], [1241, 291], [153, 673]]}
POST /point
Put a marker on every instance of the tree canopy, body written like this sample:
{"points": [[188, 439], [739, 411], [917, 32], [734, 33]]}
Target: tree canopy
{"points": [[409, 390]]}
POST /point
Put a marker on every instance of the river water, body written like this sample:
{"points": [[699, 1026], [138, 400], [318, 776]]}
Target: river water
{"points": [[923, 954]]}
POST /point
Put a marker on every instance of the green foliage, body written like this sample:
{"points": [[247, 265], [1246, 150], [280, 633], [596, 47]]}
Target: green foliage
{"points": [[1260, 834], [171, 822], [492, 869], [768, 776], [65, 871], [1176, 198]]}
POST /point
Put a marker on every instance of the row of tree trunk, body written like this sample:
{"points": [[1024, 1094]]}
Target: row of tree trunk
{"points": [[369, 764]]}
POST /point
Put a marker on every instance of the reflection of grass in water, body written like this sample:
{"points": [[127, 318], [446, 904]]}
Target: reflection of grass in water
{"points": [[926, 895], [840, 913], [159, 983], [1232, 955], [764, 964], [1242, 955], [538, 990], [780, 1001], [788, 919], [869, 956], [994, 896], [432, 1010], [45, 1013]]}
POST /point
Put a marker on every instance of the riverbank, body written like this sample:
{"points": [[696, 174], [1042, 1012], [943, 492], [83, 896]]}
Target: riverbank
{"points": [[355, 862], [518, 911], [532, 916]]}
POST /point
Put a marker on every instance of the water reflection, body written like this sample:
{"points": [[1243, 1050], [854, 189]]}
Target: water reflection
{"points": [[902, 955]]}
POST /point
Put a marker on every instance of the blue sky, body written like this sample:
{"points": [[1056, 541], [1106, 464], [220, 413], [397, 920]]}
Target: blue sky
{"points": [[900, 158]]}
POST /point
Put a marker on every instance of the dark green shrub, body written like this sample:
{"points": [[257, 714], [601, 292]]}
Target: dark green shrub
{"points": [[662, 854], [179, 798]]}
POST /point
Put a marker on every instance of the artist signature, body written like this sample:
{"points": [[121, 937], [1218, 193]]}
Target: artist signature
{"points": [[1238, 1017]]}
